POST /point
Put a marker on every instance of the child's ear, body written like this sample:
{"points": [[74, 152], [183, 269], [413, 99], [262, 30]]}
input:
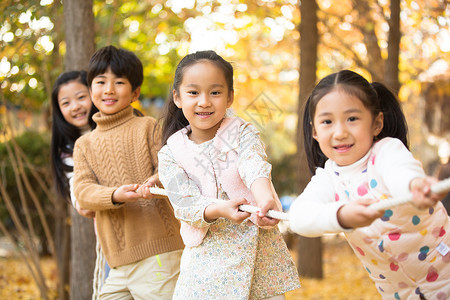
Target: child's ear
{"points": [[314, 133], [176, 99], [230, 99], [378, 124], [135, 94]]}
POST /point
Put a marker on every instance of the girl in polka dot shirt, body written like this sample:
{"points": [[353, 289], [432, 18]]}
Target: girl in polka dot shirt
{"points": [[355, 137]]}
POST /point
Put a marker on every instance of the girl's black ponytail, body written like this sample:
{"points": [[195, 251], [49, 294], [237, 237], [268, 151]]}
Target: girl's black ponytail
{"points": [[314, 155], [172, 119], [394, 123]]}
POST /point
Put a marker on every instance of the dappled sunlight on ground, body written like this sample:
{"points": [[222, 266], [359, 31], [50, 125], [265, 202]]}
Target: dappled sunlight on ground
{"points": [[16, 281], [345, 278]]}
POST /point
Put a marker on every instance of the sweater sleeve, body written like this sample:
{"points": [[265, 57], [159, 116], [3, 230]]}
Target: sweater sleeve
{"points": [[396, 165], [89, 194], [154, 140], [252, 156], [314, 212], [188, 203]]}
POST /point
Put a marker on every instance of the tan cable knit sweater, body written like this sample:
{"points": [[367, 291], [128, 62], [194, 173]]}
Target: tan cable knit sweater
{"points": [[121, 150]]}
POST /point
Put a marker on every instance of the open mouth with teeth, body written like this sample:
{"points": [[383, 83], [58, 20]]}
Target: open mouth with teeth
{"points": [[203, 113], [343, 148], [79, 115], [109, 101]]}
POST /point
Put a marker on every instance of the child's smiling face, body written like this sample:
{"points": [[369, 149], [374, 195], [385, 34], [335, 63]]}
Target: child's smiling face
{"points": [[204, 97], [111, 93], [75, 103], [344, 127]]}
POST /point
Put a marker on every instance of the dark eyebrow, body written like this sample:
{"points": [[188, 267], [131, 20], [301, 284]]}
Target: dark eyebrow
{"points": [[117, 76], [76, 94], [353, 110], [196, 85], [324, 114], [81, 92], [349, 111]]}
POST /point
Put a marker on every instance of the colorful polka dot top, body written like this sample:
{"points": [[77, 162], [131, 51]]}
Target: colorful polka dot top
{"points": [[406, 251]]}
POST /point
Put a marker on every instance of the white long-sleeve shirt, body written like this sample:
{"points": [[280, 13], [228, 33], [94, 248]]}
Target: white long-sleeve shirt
{"points": [[314, 212], [407, 251]]}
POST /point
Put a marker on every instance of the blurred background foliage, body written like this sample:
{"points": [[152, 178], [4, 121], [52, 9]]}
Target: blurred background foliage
{"points": [[260, 37], [38, 152]]}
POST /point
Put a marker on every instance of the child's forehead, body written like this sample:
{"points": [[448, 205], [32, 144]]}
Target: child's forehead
{"points": [[203, 63], [338, 93], [109, 72], [339, 103], [203, 68]]}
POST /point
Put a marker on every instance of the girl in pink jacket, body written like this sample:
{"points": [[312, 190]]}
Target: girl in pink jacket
{"points": [[209, 166]]}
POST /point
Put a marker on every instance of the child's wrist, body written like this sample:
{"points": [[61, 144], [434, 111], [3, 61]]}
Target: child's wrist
{"points": [[341, 218], [211, 213], [114, 201]]}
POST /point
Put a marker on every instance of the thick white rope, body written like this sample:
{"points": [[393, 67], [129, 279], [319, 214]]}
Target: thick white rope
{"points": [[247, 208], [437, 188]]}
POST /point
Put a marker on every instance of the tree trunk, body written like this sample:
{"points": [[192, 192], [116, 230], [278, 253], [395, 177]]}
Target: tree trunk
{"points": [[62, 245], [80, 33], [83, 257], [375, 64], [309, 261], [391, 70], [80, 45]]}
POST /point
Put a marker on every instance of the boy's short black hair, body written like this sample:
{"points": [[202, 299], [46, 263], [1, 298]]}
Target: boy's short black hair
{"points": [[123, 63]]}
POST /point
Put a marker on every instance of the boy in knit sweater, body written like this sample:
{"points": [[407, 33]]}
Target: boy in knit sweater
{"points": [[138, 232]]}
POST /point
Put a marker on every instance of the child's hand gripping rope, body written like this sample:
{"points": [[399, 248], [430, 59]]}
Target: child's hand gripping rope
{"points": [[437, 188], [247, 208]]}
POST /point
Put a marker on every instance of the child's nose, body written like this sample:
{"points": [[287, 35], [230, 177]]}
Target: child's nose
{"points": [[203, 100], [340, 131], [75, 105], [109, 88]]}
